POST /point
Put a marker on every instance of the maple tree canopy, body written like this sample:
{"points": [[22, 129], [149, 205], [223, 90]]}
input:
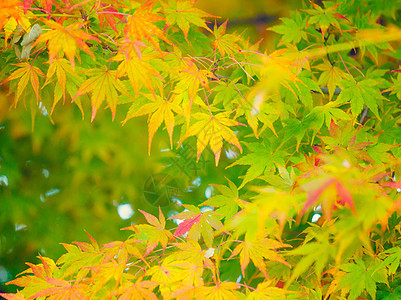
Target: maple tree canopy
{"points": [[307, 137]]}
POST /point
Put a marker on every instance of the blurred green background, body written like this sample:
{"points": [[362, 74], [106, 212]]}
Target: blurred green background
{"points": [[70, 174]]}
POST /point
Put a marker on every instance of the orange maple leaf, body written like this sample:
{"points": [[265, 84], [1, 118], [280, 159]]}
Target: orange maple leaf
{"points": [[140, 26], [64, 40], [108, 13], [10, 9], [17, 296], [26, 73], [103, 83], [62, 289], [211, 130]]}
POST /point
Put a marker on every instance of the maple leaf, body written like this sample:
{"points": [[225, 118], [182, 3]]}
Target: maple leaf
{"points": [[36, 281], [122, 250], [330, 76], [140, 289], [396, 87], [362, 276], [139, 71], [197, 223], [360, 93], [324, 17], [173, 274], [329, 113], [266, 112], [318, 253], [211, 130], [190, 78], [278, 69], [261, 159], [392, 259], [191, 251], [158, 111], [222, 290], [59, 66], [61, 289], [155, 234], [182, 13], [329, 186], [266, 290], [80, 256], [64, 40], [17, 296], [292, 29], [10, 9], [225, 43], [26, 73], [257, 251], [228, 202], [108, 13], [140, 26], [103, 83]]}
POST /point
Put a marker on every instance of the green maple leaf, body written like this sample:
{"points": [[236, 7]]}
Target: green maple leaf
{"points": [[228, 202], [182, 13], [362, 276], [317, 254], [392, 259], [396, 87], [261, 159], [360, 93], [324, 17], [292, 29], [330, 76], [298, 128], [328, 112]]}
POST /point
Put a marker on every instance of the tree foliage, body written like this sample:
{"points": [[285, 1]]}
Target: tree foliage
{"points": [[314, 127]]}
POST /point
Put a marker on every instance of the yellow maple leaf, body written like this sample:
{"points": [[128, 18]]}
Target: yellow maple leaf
{"points": [[158, 111], [190, 78], [139, 289], [102, 83], [59, 66], [211, 130], [222, 290], [139, 71], [26, 73], [266, 290], [225, 43], [64, 40], [257, 250]]}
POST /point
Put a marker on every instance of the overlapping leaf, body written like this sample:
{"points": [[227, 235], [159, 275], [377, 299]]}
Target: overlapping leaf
{"points": [[103, 84], [65, 40], [212, 130]]}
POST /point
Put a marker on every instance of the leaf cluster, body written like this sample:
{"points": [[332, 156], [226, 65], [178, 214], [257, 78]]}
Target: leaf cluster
{"points": [[316, 211]]}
